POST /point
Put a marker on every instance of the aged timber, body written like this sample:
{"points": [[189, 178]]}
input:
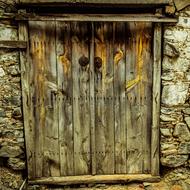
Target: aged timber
{"points": [[13, 44], [88, 179], [113, 2]]}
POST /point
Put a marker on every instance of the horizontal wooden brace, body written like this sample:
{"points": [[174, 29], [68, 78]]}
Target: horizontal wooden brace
{"points": [[13, 44], [124, 2], [99, 18], [89, 179]]}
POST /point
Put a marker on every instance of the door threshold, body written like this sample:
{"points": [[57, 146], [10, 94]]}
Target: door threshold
{"points": [[96, 179]]}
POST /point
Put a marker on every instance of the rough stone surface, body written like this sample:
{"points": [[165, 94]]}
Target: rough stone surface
{"points": [[184, 148], [10, 151], [182, 132], [16, 163], [174, 160], [175, 94]]}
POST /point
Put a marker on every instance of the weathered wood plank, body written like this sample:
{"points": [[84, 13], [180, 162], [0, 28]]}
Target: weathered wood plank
{"points": [[115, 2], [134, 65], [64, 75], [36, 87], [88, 179], [81, 92], [119, 97], [21, 44], [44, 80], [51, 161], [104, 98], [156, 99], [145, 56], [92, 103], [99, 17], [27, 101]]}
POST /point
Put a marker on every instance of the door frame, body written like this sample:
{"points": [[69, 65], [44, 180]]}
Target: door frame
{"points": [[156, 92]]}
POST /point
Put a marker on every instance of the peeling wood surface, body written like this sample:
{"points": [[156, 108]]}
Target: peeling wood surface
{"points": [[64, 81], [90, 89]]}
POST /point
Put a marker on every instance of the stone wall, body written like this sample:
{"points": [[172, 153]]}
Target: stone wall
{"points": [[175, 109], [12, 148]]}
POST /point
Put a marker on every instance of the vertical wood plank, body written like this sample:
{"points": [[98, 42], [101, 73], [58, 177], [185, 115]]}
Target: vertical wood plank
{"points": [[42, 39], [138, 88], [51, 160], [64, 74], [104, 98], [146, 93], [26, 101], [133, 132], [36, 88], [92, 103], [81, 92], [119, 93], [156, 99], [134, 117]]}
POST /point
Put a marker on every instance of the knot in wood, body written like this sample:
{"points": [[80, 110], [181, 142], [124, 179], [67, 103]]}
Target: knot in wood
{"points": [[83, 61], [97, 62]]}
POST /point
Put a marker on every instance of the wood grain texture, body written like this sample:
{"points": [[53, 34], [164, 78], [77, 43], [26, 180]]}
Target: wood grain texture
{"points": [[146, 92], [26, 101], [64, 75], [88, 99], [119, 97], [44, 80], [156, 99], [21, 44], [138, 108], [136, 2], [37, 106], [98, 18], [88, 179], [81, 92], [92, 104], [104, 113]]}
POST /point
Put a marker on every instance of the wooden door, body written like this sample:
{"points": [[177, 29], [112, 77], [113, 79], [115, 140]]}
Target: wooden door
{"points": [[90, 95]]}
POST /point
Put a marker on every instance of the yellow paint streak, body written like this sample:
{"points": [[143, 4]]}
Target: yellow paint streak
{"points": [[39, 68], [65, 62], [119, 55], [139, 65]]}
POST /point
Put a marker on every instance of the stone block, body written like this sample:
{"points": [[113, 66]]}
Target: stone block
{"points": [[184, 148], [170, 50], [2, 72], [184, 22], [10, 151], [175, 94], [8, 33], [182, 132], [17, 113], [174, 160], [16, 163]]}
